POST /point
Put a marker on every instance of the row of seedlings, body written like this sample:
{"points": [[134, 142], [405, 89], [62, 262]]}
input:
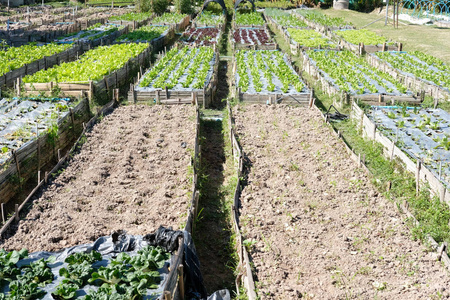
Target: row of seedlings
{"points": [[296, 33], [417, 136], [95, 74], [33, 132], [206, 30], [267, 76], [96, 35], [180, 21], [185, 74], [139, 268], [249, 31], [417, 70], [158, 36], [17, 62], [320, 22], [345, 74]]}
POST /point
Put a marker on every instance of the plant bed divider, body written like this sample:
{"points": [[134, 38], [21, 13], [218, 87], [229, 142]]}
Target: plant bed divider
{"points": [[269, 98], [133, 24], [319, 27], [10, 78], [402, 207], [104, 40], [180, 26], [99, 88], [423, 174], [174, 286], [28, 160], [245, 272], [203, 97], [409, 80], [332, 90]]}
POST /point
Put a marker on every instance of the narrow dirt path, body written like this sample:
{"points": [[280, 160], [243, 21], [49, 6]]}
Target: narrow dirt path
{"points": [[315, 225]]}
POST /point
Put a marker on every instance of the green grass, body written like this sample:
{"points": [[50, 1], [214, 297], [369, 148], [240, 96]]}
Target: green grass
{"points": [[428, 39]]}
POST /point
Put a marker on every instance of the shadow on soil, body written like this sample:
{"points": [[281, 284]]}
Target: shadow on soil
{"points": [[212, 233]]}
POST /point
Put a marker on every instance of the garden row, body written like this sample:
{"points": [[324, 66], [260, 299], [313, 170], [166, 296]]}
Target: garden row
{"points": [[141, 271]]}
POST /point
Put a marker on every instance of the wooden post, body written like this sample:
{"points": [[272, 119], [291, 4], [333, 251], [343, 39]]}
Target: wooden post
{"points": [[16, 212], [167, 295], [18, 169], [46, 177], [181, 281], [167, 93], [158, 101], [380, 98], [39, 176], [59, 155], [400, 46], [419, 165], [3, 213], [440, 169], [374, 131]]}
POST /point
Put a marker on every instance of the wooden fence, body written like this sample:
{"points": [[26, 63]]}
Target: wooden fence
{"points": [[203, 96], [38, 154], [245, 271], [101, 89], [409, 80], [333, 90]]}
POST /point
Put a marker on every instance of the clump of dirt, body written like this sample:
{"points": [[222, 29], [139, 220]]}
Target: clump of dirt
{"points": [[315, 225], [132, 174]]}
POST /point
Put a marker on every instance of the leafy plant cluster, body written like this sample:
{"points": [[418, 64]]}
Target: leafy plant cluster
{"points": [[364, 36], [284, 19], [125, 277], [132, 16], [144, 33], [319, 18], [353, 74], [169, 18], [202, 36], [271, 66], [92, 65], [15, 57], [209, 18], [309, 38], [249, 18], [419, 64], [193, 62], [422, 133]]}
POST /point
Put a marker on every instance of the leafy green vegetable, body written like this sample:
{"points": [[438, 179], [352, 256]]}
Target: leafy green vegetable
{"points": [[169, 18], [21, 290], [249, 18], [115, 292], [77, 273], [309, 38], [361, 36], [78, 258], [8, 261], [38, 272], [65, 290]]}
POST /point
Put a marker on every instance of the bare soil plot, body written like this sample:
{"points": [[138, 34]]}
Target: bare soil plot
{"points": [[132, 174], [316, 226]]}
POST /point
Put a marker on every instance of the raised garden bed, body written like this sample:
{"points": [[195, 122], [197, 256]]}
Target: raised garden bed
{"points": [[343, 72], [96, 72], [321, 22], [157, 35], [28, 59], [306, 39], [32, 131], [364, 41], [181, 21], [248, 19], [121, 172], [207, 18], [247, 38], [183, 75], [96, 35], [283, 18], [417, 70], [201, 36], [267, 77], [132, 19], [302, 194]]}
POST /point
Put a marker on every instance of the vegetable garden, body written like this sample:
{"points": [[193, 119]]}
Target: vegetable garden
{"points": [[252, 38]]}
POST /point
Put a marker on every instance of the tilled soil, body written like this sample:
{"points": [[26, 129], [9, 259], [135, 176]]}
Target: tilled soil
{"points": [[316, 226], [131, 174]]}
